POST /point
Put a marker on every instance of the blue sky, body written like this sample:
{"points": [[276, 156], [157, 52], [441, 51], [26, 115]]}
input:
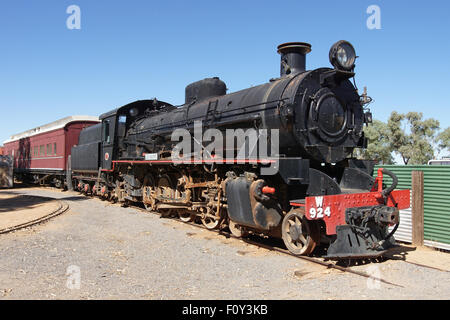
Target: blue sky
{"points": [[130, 50]]}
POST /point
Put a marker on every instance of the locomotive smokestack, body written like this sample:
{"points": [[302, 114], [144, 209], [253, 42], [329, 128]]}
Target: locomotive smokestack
{"points": [[293, 57]]}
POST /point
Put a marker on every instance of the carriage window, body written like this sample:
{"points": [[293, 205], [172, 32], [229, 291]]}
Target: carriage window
{"points": [[42, 150], [122, 119], [49, 149], [106, 137], [54, 149]]}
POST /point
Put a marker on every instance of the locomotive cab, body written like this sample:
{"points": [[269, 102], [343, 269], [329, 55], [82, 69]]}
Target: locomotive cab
{"points": [[115, 125]]}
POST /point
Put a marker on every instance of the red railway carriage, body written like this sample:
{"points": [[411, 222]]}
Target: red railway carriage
{"points": [[41, 153]]}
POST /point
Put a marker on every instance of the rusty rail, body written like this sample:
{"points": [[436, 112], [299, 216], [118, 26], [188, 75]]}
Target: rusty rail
{"points": [[271, 248], [63, 207]]}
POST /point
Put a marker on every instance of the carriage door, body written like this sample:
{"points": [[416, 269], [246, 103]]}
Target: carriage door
{"points": [[108, 125]]}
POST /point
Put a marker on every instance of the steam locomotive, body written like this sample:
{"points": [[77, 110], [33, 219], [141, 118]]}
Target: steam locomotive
{"points": [[309, 189]]}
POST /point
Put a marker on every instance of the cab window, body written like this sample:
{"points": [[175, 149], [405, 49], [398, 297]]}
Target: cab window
{"points": [[106, 134]]}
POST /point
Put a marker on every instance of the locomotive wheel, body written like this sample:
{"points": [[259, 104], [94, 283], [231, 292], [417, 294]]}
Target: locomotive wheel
{"points": [[236, 230], [186, 216], [148, 207], [210, 220], [166, 190], [149, 184], [166, 187], [211, 223], [299, 235], [112, 197], [119, 192], [166, 213], [58, 183]]}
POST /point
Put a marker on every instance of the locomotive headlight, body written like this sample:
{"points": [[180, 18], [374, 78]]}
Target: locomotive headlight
{"points": [[343, 55], [134, 112]]}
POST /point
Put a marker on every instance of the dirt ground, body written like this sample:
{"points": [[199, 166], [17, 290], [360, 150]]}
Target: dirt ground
{"points": [[422, 256], [16, 209], [125, 253]]}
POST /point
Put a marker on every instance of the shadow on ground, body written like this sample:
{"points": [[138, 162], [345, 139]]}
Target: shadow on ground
{"points": [[399, 252], [11, 200], [20, 202]]}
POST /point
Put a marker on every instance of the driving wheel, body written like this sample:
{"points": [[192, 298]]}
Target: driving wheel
{"points": [[299, 234]]}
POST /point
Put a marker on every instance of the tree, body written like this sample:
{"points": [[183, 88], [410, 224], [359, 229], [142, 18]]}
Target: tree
{"points": [[415, 147], [443, 140], [378, 147]]}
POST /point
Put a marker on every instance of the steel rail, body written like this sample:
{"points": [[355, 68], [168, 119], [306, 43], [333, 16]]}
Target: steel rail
{"points": [[63, 207], [226, 234], [272, 248]]}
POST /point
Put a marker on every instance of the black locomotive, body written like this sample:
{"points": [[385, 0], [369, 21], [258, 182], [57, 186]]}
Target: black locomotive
{"points": [[316, 191]]}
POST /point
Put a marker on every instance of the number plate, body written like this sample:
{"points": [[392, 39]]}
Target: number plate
{"points": [[151, 156], [331, 209]]}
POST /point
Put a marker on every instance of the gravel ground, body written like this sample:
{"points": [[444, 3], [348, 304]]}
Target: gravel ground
{"points": [[124, 253]]}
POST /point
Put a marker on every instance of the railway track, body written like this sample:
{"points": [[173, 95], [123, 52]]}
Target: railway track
{"points": [[62, 207], [318, 261], [227, 234]]}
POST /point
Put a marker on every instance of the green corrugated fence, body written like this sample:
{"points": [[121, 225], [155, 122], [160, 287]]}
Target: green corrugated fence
{"points": [[436, 198]]}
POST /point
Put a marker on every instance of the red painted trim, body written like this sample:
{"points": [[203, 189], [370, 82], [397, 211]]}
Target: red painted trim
{"points": [[106, 170], [219, 161], [295, 204], [331, 209], [264, 161], [378, 181]]}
